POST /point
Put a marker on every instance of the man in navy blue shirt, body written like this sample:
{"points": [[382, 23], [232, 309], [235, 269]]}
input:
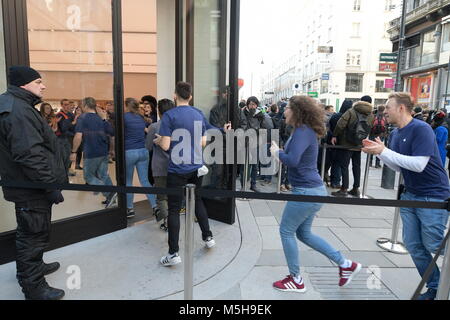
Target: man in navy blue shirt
{"points": [[183, 134], [415, 153], [95, 131]]}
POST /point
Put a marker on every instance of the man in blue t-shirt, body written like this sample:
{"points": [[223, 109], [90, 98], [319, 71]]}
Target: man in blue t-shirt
{"points": [[95, 132], [415, 153], [183, 134]]}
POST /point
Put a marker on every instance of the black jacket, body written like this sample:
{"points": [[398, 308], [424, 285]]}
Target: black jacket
{"points": [[29, 149]]}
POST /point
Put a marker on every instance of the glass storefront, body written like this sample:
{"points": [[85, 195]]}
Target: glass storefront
{"points": [[72, 44]]}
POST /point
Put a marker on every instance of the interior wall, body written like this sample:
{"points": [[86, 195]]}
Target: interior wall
{"points": [[2, 54], [166, 49]]}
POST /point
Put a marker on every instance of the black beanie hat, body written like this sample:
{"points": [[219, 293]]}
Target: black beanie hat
{"points": [[21, 75], [367, 99]]}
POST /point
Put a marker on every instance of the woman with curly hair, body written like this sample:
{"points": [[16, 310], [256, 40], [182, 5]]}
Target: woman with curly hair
{"points": [[300, 156]]}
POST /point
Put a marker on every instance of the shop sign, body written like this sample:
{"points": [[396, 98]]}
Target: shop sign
{"points": [[388, 67]]}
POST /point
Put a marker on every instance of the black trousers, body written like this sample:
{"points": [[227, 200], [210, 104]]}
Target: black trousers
{"points": [[343, 158], [32, 238], [175, 203]]}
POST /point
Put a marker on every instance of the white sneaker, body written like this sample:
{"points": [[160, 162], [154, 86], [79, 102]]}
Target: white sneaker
{"points": [[170, 260], [210, 242]]}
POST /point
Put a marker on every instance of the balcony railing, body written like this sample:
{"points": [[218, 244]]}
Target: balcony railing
{"points": [[416, 14]]}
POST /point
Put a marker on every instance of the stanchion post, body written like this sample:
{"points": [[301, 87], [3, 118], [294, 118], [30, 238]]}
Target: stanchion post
{"points": [[366, 178], [280, 173], [444, 282], [392, 245], [189, 243], [246, 166], [324, 157]]}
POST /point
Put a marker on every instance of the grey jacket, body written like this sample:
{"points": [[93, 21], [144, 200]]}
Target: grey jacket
{"points": [[160, 159]]}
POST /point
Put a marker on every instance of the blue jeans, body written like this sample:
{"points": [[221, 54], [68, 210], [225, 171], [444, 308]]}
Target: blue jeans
{"points": [[95, 172], [423, 233], [138, 159], [297, 221]]}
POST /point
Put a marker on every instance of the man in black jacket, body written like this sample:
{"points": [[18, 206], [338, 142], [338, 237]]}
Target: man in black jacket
{"points": [[30, 153]]}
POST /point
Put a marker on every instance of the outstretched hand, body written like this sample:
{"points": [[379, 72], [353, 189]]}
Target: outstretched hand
{"points": [[373, 147]]}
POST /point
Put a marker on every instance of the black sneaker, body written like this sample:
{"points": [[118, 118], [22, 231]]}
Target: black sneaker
{"points": [[43, 292], [341, 193], [429, 295], [255, 189], [130, 213], [111, 201], [355, 192]]}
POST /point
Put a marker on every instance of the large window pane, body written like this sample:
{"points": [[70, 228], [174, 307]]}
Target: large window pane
{"points": [[429, 48], [70, 43], [354, 82]]}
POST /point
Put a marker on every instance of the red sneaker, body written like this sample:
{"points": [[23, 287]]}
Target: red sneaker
{"points": [[346, 275], [289, 285]]}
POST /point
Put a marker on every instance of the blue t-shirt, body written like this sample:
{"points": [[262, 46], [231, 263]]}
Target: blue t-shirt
{"points": [[417, 139], [96, 133], [300, 156], [134, 131], [186, 147]]}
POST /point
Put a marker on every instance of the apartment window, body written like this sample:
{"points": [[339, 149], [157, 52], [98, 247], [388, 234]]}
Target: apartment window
{"points": [[354, 82], [429, 48], [446, 38], [379, 87], [388, 6], [354, 58], [356, 26], [356, 5]]}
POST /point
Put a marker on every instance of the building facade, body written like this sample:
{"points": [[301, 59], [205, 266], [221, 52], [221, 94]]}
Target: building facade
{"points": [[340, 44], [427, 51]]}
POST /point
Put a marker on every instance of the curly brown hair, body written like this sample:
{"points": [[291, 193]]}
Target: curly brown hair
{"points": [[306, 111]]}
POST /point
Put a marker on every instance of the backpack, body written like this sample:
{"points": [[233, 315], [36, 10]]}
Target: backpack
{"points": [[379, 125], [359, 130]]}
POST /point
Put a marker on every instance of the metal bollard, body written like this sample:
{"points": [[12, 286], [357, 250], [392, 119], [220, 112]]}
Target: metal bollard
{"points": [[392, 245], [246, 167], [324, 157], [189, 243], [280, 172], [366, 179], [444, 283]]}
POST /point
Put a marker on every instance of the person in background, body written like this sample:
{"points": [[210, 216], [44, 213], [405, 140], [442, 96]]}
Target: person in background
{"points": [[300, 155], [66, 132], [94, 131], [151, 105], [418, 114], [49, 115], [78, 115], [160, 162], [379, 130], [336, 154], [136, 154], [440, 128]]}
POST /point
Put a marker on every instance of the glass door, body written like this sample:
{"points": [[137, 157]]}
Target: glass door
{"points": [[208, 68]]}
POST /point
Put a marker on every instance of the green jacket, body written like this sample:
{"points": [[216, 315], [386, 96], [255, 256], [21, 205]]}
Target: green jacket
{"points": [[348, 120]]}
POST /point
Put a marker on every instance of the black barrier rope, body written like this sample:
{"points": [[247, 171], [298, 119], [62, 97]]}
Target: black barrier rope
{"points": [[330, 146], [209, 193]]}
